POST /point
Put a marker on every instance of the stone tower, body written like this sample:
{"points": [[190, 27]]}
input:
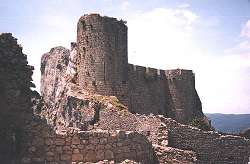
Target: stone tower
{"points": [[102, 56]]}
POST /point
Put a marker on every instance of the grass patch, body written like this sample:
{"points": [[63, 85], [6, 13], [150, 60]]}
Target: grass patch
{"points": [[111, 99]]}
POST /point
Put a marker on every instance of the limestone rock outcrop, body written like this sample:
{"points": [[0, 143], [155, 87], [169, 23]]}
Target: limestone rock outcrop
{"points": [[53, 67]]}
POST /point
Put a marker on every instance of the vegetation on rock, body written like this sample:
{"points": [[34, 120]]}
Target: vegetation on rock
{"points": [[201, 123]]}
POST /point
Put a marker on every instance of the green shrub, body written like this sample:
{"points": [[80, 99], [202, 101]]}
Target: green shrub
{"points": [[149, 76], [201, 123]]}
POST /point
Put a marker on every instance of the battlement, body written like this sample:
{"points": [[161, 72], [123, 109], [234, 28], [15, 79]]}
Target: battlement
{"points": [[146, 72], [157, 74], [97, 22], [179, 74]]}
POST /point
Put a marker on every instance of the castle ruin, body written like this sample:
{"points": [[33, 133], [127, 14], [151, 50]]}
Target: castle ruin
{"points": [[103, 68], [79, 119]]}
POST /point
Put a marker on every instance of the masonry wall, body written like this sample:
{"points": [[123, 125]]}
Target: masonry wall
{"points": [[102, 53], [171, 93], [210, 147], [15, 95], [148, 91], [42, 145], [186, 101]]}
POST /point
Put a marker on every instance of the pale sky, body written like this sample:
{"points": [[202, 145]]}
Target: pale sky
{"points": [[211, 37]]}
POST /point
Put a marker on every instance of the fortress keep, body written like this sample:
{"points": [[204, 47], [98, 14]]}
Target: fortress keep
{"points": [[103, 68]]}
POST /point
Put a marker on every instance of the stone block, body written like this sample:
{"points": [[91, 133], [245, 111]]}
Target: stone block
{"points": [[66, 148], [58, 149], [100, 154], [59, 141], [77, 157], [103, 140], [65, 157], [76, 140], [76, 151], [50, 154], [94, 141], [109, 154], [25, 160], [90, 147], [90, 156], [49, 141]]}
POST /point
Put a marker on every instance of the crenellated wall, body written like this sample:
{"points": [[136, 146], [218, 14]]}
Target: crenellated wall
{"points": [[168, 92], [148, 91]]}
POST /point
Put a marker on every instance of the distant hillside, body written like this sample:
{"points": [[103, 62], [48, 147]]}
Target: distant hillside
{"points": [[229, 123]]}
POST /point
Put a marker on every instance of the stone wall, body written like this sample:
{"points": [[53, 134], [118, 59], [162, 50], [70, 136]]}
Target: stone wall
{"points": [[186, 101], [42, 145], [149, 92], [15, 96], [210, 146], [168, 92]]}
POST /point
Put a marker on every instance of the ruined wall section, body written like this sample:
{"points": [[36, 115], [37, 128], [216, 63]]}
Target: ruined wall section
{"points": [[43, 145], [15, 80], [171, 93], [210, 146], [186, 102], [148, 91], [15, 96], [102, 54]]}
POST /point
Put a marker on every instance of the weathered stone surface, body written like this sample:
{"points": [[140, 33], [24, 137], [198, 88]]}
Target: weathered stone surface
{"points": [[15, 95], [173, 155], [109, 154], [209, 146], [53, 70], [100, 154], [59, 141], [77, 157], [76, 141], [90, 156], [65, 157]]}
